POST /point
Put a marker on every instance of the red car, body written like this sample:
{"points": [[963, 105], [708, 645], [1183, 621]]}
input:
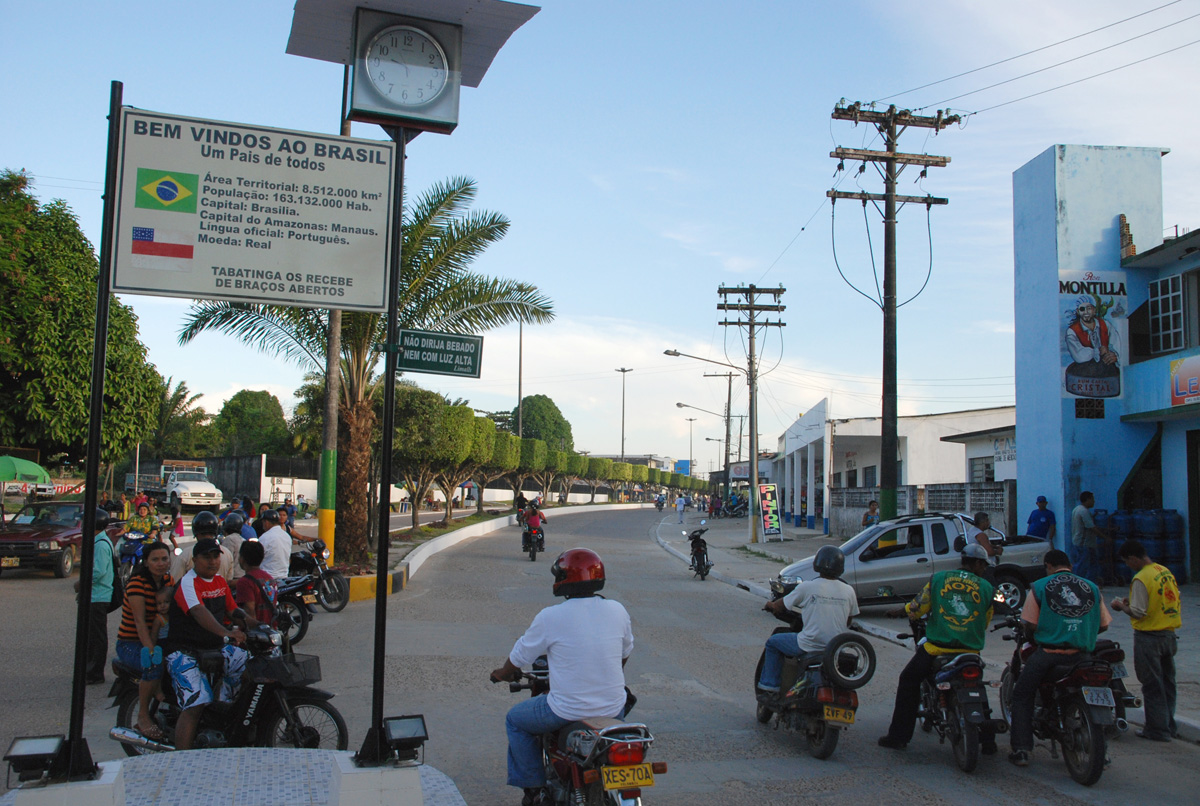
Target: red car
{"points": [[43, 535]]}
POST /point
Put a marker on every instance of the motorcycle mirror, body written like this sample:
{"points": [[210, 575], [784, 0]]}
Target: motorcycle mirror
{"points": [[703, 521], [178, 551]]}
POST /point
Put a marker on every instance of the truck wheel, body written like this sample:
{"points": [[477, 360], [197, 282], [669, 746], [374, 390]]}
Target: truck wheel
{"points": [[65, 564], [1012, 589]]}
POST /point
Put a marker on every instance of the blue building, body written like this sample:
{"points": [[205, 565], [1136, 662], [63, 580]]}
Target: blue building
{"points": [[1107, 317]]}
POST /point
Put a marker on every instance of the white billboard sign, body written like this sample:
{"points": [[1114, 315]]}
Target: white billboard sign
{"points": [[226, 211]]}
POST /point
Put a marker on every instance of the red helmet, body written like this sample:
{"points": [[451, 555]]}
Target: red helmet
{"points": [[578, 572]]}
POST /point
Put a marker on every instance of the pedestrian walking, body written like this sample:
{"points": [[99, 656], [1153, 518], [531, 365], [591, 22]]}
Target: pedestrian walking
{"points": [[680, 503], [1153, 608], [1041, 521]]}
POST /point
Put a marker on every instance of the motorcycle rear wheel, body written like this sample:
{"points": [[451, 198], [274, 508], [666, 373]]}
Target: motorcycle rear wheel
{"points": [[321, 727], [1007, 682], [964, 738], [533, 551], [1084, 747], [822, 740], [126, 572], [333, 592], [291, 619]]}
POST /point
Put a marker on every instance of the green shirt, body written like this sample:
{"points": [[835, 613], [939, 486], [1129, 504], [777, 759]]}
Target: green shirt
{"points": [[960, 606], [102, 570], [1068, 614]]}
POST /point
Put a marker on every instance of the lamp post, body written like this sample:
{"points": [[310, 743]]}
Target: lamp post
{"points": [[691, 458], [623, 370], [715, 439], [727, 418], [752, 382]]}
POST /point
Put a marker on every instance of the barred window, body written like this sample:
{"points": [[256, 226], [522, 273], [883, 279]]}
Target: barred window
{"points": [[983, 469], [1166, 315], [1087, 408], [869, 476]]}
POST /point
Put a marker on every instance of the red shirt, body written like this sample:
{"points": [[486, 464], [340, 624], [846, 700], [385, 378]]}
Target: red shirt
{"points": [[196, 591], [257, 597]]}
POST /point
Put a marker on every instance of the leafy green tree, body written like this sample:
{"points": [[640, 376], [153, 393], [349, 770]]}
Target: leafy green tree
{"points": [[438, 291], [598, 472], [180, 427], [542, 420], [556, 465], [252, 422], [420, 445], [653, 476], [619, 478], [48, 273], [308, 418], [640, 474], [468, 443], [531, 463], [576, 467], [506, 452]]}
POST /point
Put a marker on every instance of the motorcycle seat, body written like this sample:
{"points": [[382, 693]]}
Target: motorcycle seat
{"points": [[950, 662], [596, 723], [125, 670]]}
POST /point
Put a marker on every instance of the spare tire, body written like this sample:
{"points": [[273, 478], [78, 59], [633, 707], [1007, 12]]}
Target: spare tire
{"points": [[849, 661]]}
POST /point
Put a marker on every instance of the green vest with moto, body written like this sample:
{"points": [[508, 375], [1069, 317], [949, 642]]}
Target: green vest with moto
{"points": [[959, 607]]}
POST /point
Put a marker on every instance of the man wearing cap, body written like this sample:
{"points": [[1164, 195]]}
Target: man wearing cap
{"points": [[1041, 521], [200, 609], [276, 543]]}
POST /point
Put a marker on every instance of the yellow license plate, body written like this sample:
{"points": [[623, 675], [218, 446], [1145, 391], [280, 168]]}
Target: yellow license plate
{"points": [[310, 599], [632, 777], [844, 715], [9, 562]]}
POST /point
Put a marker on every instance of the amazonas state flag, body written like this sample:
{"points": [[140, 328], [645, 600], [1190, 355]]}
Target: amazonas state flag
{"points": [[165, 250], [164, 190]]}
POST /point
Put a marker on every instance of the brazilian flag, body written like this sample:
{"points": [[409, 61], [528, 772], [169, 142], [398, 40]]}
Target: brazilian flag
{"points": [[165, 190]]}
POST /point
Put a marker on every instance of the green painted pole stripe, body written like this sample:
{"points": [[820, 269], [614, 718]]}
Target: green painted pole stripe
{"points": [[327, 492]]}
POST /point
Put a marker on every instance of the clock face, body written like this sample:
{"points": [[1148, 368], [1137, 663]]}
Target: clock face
{"points": [[406, 66]]}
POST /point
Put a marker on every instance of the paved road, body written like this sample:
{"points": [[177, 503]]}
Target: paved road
{"points": [[696, 646]]}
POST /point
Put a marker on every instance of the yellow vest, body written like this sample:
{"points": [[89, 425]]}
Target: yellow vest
{"points": [[1162, 612]]}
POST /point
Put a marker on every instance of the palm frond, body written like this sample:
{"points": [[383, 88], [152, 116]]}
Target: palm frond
{"points": [[295, 334]]}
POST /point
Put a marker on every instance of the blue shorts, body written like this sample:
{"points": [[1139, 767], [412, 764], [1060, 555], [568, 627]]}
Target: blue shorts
{"points": [[130, 653], [192, 687]]}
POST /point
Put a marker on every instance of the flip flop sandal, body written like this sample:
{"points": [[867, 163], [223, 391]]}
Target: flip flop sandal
{"points": [[153, 733]]}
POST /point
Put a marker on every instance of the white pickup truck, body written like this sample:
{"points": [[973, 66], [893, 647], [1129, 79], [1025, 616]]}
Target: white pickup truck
{"points": [[181, 484]]}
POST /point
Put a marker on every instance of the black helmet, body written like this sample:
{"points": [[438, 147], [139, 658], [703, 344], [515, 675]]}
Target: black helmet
{"points": [[830, 562], [577, 572], [103, 518], [205, 525], [233, 523]]}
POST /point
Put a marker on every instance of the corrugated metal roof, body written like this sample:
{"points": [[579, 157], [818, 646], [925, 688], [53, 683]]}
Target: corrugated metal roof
{"points": [[324, 29]]}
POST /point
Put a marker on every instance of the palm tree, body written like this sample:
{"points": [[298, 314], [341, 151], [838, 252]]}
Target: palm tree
{"points": [[177, 426], [438, 291]]}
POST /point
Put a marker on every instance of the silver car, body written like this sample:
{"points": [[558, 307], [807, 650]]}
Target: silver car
{"points": [[892, 560]]}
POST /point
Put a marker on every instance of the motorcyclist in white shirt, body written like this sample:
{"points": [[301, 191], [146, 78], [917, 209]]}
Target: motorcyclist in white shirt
{"points": [[587, 640]]}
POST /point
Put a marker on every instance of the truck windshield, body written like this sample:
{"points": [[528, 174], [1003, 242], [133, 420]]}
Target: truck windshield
{"points": [[190, 477]]}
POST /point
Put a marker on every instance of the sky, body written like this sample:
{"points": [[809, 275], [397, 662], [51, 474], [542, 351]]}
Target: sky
{"points": [[648, 153]]}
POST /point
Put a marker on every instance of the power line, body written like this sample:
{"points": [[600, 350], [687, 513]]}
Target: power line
{"points": [[1059, 64], [1081, 80], [1026, 53]]}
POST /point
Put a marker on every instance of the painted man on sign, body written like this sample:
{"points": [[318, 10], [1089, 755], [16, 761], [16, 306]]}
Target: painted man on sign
{"points": [[1092, 339]]}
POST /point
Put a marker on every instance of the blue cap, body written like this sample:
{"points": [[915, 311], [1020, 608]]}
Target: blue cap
{"points": [[1041, 499]]}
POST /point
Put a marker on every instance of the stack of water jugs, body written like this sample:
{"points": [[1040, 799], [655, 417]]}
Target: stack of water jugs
{"points": [[1160, 531]]}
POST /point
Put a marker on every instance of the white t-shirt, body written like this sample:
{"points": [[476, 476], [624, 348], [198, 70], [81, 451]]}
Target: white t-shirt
{"points": [[585, 640], [827, 605], [277, 546], [680, 503]]}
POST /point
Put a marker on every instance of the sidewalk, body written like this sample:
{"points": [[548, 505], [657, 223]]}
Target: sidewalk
{"points": [[751, 566]]}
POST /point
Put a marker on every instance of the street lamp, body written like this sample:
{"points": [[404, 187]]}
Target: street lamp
{"points": [[691, 458], [751, 381], [623, 370]]}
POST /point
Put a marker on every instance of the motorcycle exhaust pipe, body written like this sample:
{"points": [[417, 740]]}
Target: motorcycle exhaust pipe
{"points": [[1122, 725], [132, 737]]}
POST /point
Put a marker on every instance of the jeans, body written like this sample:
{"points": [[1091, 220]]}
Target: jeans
{"points": [[525, 724], [1154, 664], [1025, 691], [778, 646], [681, 516], [97, 646], [1085, 562]]}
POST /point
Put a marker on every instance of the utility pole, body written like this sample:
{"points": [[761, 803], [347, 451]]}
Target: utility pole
{"points": [[728, 403], [691, 454], [623, 370], [749, 306], [890, 124]]}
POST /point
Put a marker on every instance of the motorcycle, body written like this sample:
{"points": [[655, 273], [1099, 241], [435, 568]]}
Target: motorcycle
{"points": [[532, 541], [593, 761], [1073, 708], [132, 545], [276, 707], [954, 702], [817, 695], [658, 504], [738, 510], [292, 607], [700, 564], [333, 591]]}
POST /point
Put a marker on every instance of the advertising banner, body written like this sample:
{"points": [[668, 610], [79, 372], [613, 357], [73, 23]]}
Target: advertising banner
{"points": [[1094, 346], [226, 211], [768, 503], [1185, 380]]}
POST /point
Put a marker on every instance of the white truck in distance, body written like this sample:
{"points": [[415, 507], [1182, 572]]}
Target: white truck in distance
{"points": [[181, 484]]}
